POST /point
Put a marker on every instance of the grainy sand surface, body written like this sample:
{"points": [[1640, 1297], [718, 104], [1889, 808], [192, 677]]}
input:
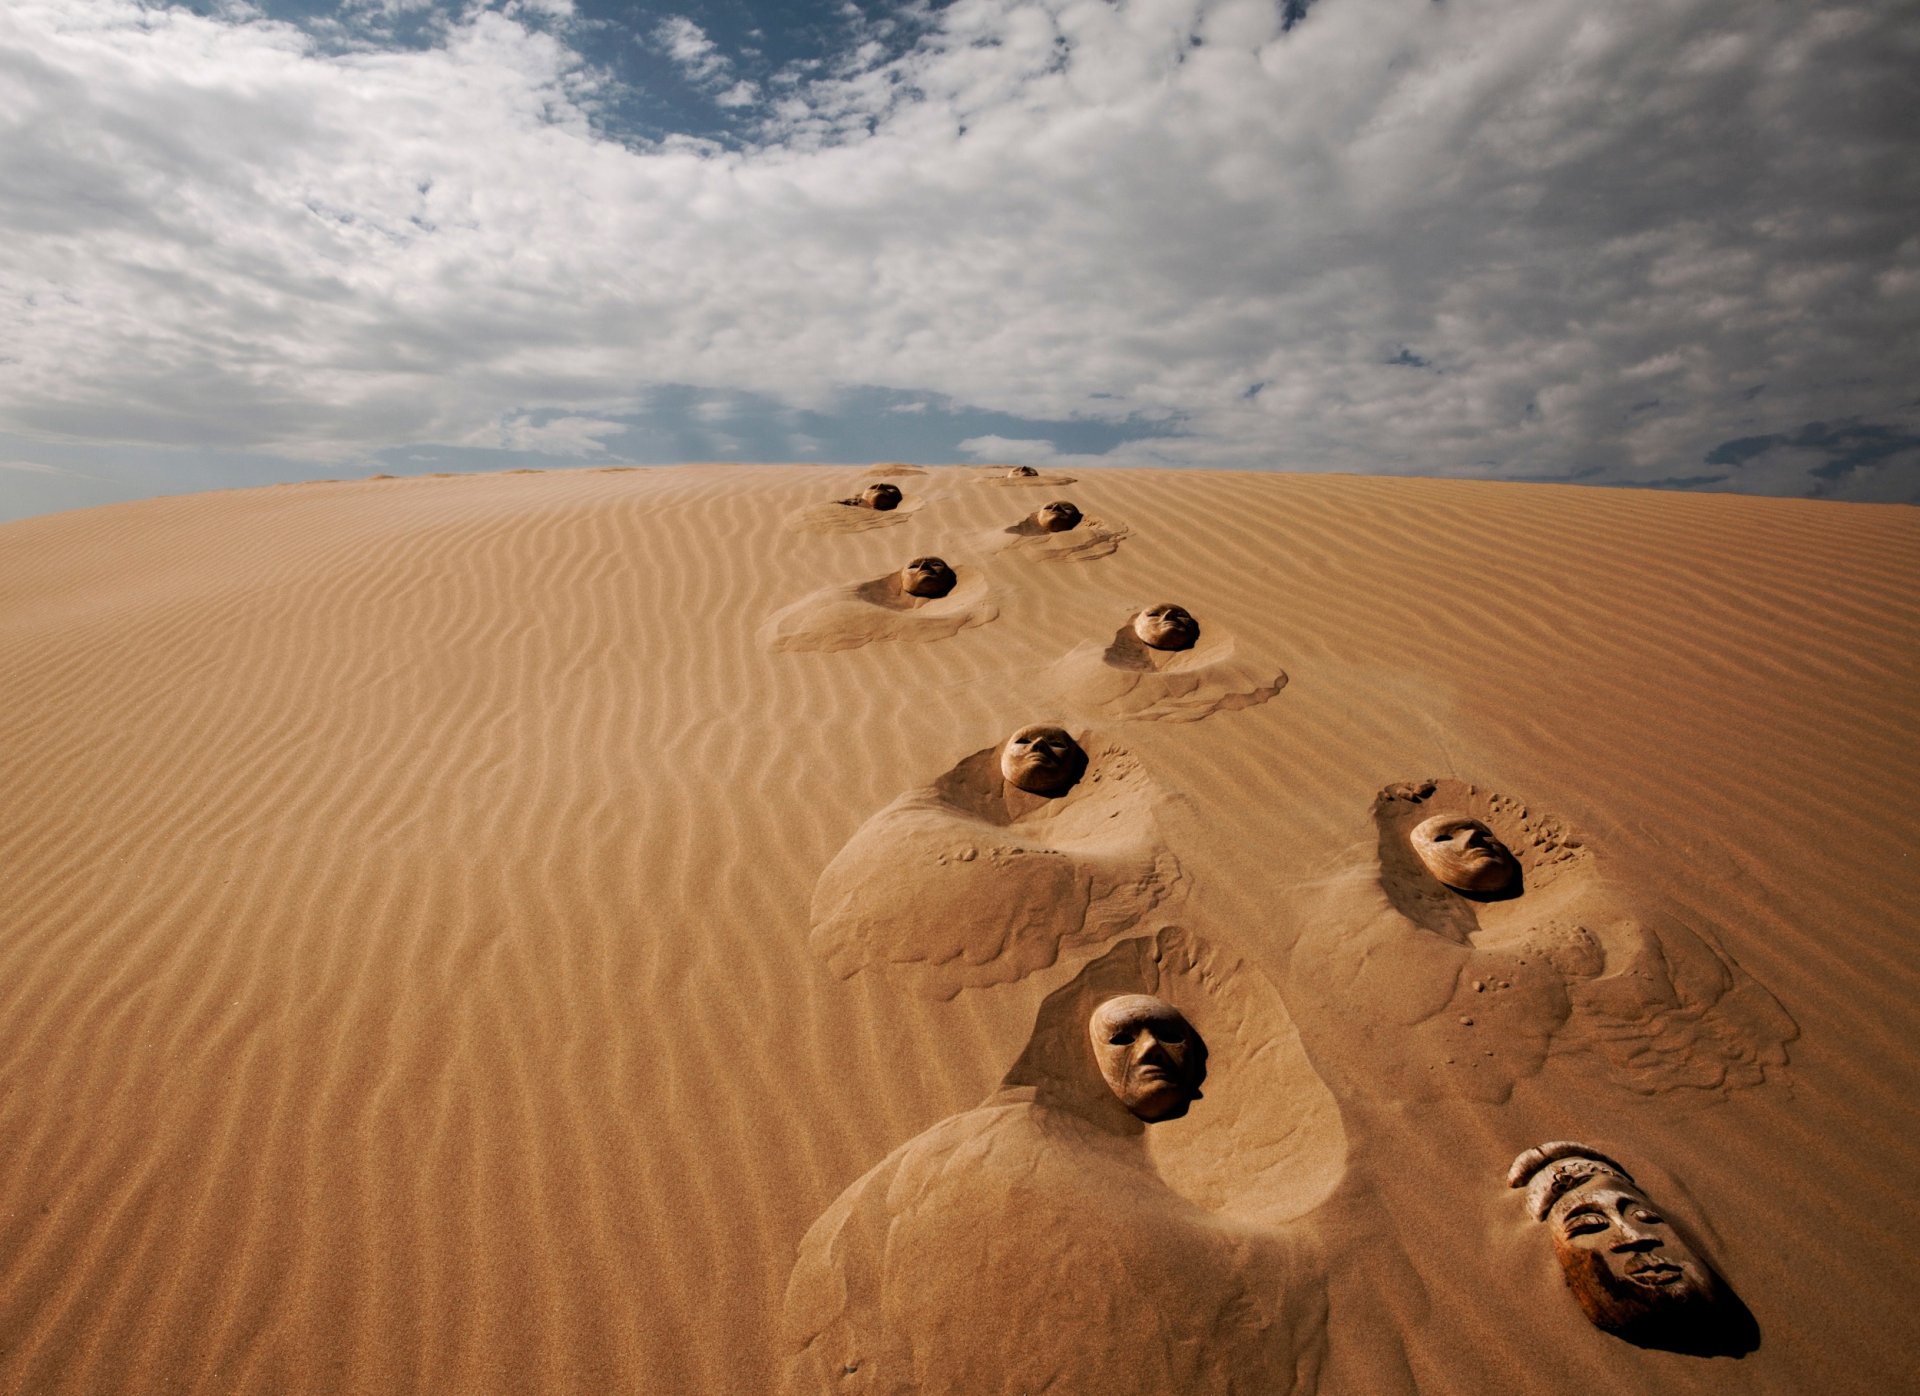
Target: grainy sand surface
{"points": [[449, 943]]}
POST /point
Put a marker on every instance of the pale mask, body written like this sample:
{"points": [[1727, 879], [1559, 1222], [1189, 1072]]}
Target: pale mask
{"points": [[1462, 853]]}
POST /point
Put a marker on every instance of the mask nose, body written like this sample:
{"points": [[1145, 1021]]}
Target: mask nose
{"points": [[1155, 1050], [1632, 1239]]}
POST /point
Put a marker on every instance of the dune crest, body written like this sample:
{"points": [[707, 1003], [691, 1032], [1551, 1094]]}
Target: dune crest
{"points": [[1002, 475]]}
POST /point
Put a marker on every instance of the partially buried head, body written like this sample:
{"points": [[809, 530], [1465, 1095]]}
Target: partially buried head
{"points": [[1167, 627], [1042, 760], [881, 496], [1462, 853], [1629, 1269], [1058, 516], [1150, 1056], [1022, 472], [927, 576]]}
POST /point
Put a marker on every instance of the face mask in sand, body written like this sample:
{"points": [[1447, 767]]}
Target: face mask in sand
{"points": [[1462, 853], [927, 576], [1150, 1056], [1167, 627], [1042, 760], [1631, 1272], [876, 497], [1057, 517]]}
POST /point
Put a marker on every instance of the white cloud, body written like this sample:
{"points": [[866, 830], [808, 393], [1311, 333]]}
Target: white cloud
{"points": [[1611, 234], [687, 44], [1007, 448], [562, 436]]}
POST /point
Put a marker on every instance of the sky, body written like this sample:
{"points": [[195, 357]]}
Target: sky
{"points": [[1666, 243]]}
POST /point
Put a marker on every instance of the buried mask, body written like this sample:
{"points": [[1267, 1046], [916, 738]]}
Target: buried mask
{"points": [[1022, 472], [927, 576], [1057, 517], [1150, 1056], [1462, 853], [1042, 760], [1629, 1269], [1166, 627], [881, 496]]}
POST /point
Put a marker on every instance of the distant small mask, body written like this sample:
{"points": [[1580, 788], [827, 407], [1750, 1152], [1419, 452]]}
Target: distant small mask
{"points": [[878, 497], [1462, 853], [1022, 472], [1166, 627]]}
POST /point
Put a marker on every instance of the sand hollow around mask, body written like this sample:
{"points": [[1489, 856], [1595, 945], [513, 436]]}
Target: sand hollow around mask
{"points": [[448, 945]]}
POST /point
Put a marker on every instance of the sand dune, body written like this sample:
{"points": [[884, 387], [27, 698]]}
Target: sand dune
{"points": [[445, 946]]}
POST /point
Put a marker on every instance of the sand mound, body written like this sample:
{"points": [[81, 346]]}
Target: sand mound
{"points": [[1091, 538], [1126, 679], [969, 881], [846, 617], [913, 1281], [428, 909], [1002, 476], [1480, 988], [839, 516]]}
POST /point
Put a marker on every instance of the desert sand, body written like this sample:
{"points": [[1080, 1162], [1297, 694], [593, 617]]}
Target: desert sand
{"points": [[566, 933]]}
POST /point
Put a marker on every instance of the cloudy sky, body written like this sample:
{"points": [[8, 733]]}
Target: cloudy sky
{"points": [[1655, 242]]}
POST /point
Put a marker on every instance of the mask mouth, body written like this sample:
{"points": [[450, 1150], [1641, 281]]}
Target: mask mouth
{"points": [[1659, 1273]]}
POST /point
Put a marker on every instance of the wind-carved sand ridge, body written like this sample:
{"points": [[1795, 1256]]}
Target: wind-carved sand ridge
{"points": [[971, 881], [1126, 678], [1172, 1257], [1479, 986], [881, 608]]}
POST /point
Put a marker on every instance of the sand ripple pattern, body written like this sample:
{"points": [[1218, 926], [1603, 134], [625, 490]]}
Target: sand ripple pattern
{"points": [[405, 978]]}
